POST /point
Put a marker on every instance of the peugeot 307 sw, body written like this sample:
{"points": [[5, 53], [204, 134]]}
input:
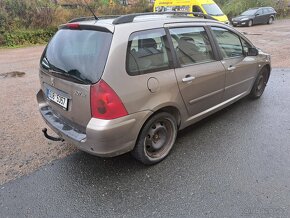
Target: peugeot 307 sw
{"points": [[128, 84]]}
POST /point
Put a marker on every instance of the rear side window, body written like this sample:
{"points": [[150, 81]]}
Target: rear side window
{"points": [[191, 45], [229, 43], [80, 54], [147, 52], [271, 10]]}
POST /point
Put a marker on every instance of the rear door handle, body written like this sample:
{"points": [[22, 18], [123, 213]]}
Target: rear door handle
{"points": [[230, 68], [188, 79]]}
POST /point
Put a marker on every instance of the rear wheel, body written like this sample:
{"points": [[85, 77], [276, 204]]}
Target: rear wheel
{"points": [[271, 20], [260, 84], [250, 23], [156, 139]]}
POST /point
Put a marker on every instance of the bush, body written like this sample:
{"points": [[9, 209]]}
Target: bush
{"points": [[141, 6], [28, 13], [26, 37], [3, 20], [25, 22]]}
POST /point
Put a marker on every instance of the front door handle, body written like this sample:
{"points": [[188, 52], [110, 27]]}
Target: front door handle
{"points": [[230, 68], [188, 78]]}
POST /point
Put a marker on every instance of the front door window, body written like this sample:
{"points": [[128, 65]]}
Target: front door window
{"points": [[191, 45], [229, 43]]}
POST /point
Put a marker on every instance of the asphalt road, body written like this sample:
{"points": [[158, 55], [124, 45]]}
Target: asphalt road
{"points": [[235, 163]]}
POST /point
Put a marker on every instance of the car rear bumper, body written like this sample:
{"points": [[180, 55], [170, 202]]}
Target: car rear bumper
{"points": [[106, 138]]}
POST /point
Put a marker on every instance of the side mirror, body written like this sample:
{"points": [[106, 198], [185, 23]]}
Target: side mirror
{"points": [[257, 15], [252, 52]]}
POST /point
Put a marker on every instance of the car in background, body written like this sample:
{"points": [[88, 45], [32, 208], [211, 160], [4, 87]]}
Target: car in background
{"points": [[253, 16], [208, 7]]}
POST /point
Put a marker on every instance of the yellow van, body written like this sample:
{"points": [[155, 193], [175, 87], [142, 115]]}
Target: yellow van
{"points": [[205, 6]]}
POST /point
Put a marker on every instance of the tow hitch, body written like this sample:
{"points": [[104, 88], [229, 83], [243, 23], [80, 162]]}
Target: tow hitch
{"points": [[44, 130]]}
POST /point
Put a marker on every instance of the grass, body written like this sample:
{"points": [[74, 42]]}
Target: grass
{"points": [[22, 46]]}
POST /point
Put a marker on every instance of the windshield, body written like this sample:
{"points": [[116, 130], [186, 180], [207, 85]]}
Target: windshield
{"points": [[79, 54], [213, 9], [249, 12]]}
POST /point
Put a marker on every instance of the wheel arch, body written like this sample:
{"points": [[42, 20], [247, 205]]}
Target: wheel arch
{"points": [[173, 110], [169, 109], [268, 67], [273, 19]]}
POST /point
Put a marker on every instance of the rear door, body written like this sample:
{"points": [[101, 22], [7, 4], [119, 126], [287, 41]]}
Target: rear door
{"points": [[266, 15], [200, 76], [240, 69], [259, 17]]}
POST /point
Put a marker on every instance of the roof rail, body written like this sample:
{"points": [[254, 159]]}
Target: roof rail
{"points": [[130, 17]]}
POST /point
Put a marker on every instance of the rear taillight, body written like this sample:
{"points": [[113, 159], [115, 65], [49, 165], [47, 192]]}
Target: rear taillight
{"points": [[105, 103]]}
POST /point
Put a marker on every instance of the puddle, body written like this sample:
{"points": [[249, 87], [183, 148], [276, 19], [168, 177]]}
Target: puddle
{"points": [[12, 74]]}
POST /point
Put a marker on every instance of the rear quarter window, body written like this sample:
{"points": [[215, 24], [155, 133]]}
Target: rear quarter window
{"points": [[147, 52]]}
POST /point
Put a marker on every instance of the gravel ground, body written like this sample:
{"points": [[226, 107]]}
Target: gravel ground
{"points": [[24, 149], [273, 39]]}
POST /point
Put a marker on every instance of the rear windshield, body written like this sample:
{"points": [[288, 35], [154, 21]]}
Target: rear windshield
{"points": [[78, 54]]}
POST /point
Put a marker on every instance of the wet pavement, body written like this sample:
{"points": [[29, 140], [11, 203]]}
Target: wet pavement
{"points": [[235, 163]]}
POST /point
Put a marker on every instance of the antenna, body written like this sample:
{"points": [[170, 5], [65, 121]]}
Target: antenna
{"points": [[96, 18]]}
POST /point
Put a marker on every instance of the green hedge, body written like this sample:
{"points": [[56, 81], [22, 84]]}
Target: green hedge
{"points": [[26, 37]]}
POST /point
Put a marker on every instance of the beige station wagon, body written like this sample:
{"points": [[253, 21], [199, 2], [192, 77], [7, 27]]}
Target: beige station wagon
{"points": [[111, 86]]}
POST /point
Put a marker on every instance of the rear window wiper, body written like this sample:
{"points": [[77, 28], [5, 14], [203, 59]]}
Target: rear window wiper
{"points": [[63, 74], [72, 74]]}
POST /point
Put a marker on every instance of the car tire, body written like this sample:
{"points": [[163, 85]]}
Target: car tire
{"points": [[156, 139], [250, 23], [260, 84], [271, 20]]}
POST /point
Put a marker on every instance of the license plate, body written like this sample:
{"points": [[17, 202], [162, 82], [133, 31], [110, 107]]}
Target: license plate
{"points": [[62, 101]]}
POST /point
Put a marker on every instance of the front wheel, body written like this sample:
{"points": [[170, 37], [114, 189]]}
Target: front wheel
{"points": [[271, 20], [260, 84], [250, 23], [156, 139]]}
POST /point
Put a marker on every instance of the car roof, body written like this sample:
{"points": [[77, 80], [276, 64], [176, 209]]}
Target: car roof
{"points": [[256, 8], [153, 18]]}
